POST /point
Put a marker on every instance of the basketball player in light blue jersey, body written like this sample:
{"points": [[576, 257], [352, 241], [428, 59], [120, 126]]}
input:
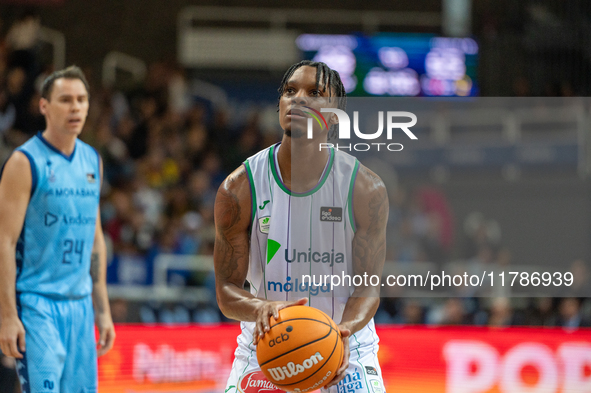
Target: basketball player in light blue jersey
{"points": [[52, 250], [271, 208]]}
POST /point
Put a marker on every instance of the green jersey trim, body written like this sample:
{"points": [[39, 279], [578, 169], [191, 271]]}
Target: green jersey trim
{"points": [[253, 194], [358, 361], [350, 197]]}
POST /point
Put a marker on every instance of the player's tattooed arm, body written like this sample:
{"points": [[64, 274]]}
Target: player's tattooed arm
{"points": [[232, 214], [371, 216], [370, 205], [233, 217], [370, 209]]}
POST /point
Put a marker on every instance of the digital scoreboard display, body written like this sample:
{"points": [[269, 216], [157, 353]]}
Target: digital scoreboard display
{"points": [[389, 64]]}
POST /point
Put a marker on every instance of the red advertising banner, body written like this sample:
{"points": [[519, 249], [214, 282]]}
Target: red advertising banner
{"points": [[157, 358], [475, 360], [413, 359]]}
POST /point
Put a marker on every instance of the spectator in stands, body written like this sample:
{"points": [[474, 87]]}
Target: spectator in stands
{"points": [[501, 313], [7, 113], [580, 285], [570, 315], [412, 313], [453, 312], [541, 312], [119, 311], [19, 95], [480, 232], [22, 40]]}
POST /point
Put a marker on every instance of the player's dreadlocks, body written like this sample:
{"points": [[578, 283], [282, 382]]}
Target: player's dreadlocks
{"points": [[329, 77]]}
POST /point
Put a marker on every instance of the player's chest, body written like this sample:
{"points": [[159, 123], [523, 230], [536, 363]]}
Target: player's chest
{"points": [[282, 214], [77, 181]]}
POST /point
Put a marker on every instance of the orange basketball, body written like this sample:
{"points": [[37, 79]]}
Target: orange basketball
{"points": [[302, 350]]}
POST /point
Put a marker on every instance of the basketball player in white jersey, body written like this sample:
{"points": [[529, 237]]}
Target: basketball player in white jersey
{"points": [[292, 209]]}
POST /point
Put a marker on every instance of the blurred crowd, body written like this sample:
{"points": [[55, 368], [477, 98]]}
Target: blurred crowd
{"points": [[166, 150]]}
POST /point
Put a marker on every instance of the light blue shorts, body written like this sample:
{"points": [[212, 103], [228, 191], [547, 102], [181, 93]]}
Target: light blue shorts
{"points": [[60, 352]]}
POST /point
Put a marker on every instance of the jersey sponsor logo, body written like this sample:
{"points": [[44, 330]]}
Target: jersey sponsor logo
{"points": [[91, 178], [272, 248], [263, 205], [50, 219], [50, 174], [72, 192], [315, 256], [305, 286], [256, 382], [279, 339], [352, 381], [264, 224], [78, 220], [371, 370], [331, 214], [376, 386], [291, 369], [47, 384]]}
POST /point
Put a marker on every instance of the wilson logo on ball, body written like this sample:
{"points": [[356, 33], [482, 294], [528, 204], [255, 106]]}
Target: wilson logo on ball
{"points": [[291, 369], [302, 349]]}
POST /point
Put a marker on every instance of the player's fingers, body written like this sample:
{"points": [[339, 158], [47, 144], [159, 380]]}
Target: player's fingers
{"points": [[344, 364], [101, 341], [110, 339], [339, 376], [105, 344], [341, 373], [259, 330], [346, 354], [278, 306], [22, 341], [13, 350], [104, 337], [299, 302], [265, 319]]}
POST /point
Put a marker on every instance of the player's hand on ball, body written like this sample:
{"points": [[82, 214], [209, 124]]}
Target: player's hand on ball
{"points": [[268, 310], [12, 332], [106, 329], [341, 372]]}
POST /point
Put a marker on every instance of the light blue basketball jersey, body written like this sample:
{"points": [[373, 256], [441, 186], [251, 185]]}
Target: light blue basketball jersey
{"points": [[53, 251]]}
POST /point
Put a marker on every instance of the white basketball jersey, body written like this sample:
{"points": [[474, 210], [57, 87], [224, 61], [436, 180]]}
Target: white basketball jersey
{"points": [[294, 235]]}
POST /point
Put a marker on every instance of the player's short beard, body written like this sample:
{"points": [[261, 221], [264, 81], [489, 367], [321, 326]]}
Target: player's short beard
{"points": [[295, 133]]}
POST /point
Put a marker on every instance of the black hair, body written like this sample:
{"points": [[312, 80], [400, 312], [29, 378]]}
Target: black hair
{"points": [[330, 78], [72, 72]]}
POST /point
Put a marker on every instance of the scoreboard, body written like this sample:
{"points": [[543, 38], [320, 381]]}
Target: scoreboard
{"points": [[389, 64]]}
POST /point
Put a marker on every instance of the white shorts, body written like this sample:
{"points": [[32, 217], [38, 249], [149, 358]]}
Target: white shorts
{"points": [[363, 374]]}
